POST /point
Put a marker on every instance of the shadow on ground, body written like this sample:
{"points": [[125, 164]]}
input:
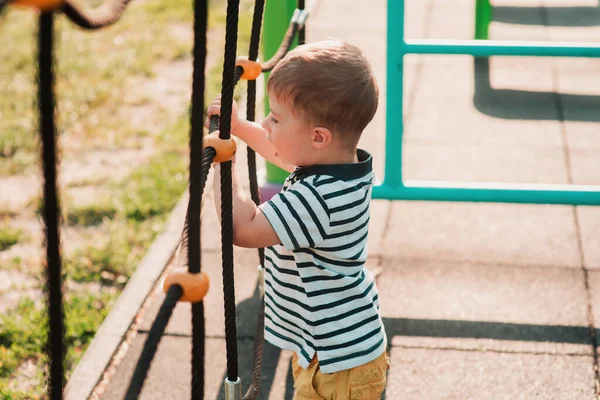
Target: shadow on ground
{"points": [[248, 309], [527, 105], [551, 16]]}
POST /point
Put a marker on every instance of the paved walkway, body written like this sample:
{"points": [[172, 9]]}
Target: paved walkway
{"points": [[480, 301]]}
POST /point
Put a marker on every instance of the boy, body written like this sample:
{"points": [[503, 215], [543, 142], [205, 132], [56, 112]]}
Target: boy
{"points": [[320, 300]]}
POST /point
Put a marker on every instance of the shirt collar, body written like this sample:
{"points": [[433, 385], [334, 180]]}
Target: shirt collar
{"points": [[345, 172]]}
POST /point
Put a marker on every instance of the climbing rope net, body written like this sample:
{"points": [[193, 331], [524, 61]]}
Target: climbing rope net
{"points": [[189, 284]]}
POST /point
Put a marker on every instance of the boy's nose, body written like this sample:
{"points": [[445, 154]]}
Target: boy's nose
{"points": [[265, 124]]}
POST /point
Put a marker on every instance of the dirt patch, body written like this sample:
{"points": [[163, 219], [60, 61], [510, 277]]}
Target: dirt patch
{"points": [[17, 191], [27, 375]]}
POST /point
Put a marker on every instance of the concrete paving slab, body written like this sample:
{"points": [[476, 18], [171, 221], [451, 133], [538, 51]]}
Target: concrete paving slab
{"points": [[449, 76], [380, 211], [484, 163], [581, 135], [476, 307], [494, 116], [491, 233], [456, 19], [570, 68], [458, 121], [535, 74], [510, 31], [170, 375], [589, 226], [594, 282], [439, 374], [585, 168], [580, 100], [462, 15], [246, 262], [417, 17], [573, 21], [577, 75], [370, 19], [358, 16]]}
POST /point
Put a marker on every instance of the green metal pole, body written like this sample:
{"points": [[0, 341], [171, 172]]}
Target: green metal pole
{"points": [[483, 18], [277, 20]]}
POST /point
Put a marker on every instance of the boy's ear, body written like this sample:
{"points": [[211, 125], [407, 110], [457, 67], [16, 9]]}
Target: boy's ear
{"points": [[321, 137]]}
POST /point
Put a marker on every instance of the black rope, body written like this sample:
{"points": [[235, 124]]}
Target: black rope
{"points": [[254, 388], [198, 322], [228, 273], [55, 343], [105, 15], [251, 105], [228, 83], [162, 319], [151, 345], [284, 48], [198, 175]]}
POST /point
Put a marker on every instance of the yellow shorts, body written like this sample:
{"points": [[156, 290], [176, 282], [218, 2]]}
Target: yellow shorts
{"points": [[363, 382]]}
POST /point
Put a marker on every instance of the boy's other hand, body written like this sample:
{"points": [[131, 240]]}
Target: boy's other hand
{"points": [[215, 109]]}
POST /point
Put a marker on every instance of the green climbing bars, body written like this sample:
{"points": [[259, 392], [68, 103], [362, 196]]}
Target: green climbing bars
{"points": [[395, 188]]}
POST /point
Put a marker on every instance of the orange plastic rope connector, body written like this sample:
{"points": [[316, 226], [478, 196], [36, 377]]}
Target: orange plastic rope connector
{"points": [[195, 286], [42, 5], [252, 69], [225, 148]]}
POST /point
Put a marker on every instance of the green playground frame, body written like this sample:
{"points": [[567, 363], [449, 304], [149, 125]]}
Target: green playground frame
{"points": [[483, 18], [394, 187]]}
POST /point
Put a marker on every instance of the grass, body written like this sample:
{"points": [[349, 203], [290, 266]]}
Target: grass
{"points": [[23, 335], [9, 237], [93, 68], [93, 72], [92, 214], [140, 211]]}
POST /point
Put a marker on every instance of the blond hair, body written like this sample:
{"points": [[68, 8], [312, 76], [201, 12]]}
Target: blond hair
{"points": [[328, 84]]}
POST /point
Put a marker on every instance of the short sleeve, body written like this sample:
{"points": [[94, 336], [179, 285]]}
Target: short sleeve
{"points": [[299, 216]]}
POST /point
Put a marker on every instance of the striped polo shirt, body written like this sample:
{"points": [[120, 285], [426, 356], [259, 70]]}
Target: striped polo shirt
{"points": [[319, 296]]}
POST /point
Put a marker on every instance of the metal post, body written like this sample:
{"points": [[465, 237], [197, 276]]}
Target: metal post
{"points": [[233, 390], [394, 94], [276, 22], [483, 17]]}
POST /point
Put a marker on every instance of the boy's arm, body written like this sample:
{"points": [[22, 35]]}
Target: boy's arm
{"points": [[255, 136], [250, 226], [250, 132]]}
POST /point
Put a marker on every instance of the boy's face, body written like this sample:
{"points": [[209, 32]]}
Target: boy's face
{"points": [[290, 135]]}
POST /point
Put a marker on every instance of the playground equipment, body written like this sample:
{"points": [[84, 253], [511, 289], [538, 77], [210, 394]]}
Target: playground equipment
{"points": [[483, 18], [395, 188], [189, 284], [275, 27]]}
